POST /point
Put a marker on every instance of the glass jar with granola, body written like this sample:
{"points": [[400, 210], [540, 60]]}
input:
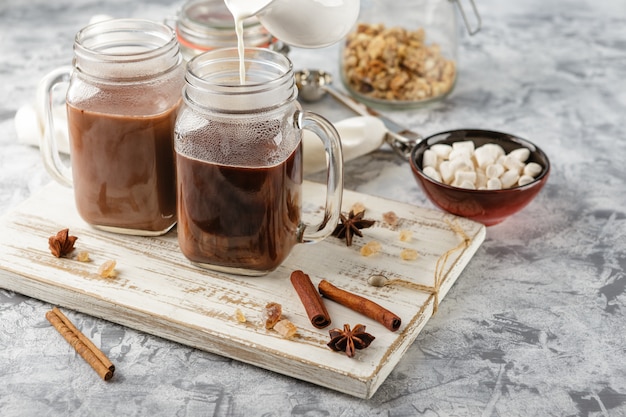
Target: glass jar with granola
{"points": [[404, 54]]}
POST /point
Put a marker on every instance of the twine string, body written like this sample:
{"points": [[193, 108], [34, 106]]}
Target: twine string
{"points": [[440, 276]]}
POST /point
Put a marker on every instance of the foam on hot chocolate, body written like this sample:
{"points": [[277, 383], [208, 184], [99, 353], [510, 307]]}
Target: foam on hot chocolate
{"points": [[250, 143]]}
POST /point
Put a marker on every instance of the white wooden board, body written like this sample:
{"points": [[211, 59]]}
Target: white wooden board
{"points": [[159, 292]]}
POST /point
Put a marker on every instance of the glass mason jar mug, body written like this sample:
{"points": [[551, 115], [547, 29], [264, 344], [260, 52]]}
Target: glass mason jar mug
{"points": [[124, 91], [404, 54], [239, 163]]}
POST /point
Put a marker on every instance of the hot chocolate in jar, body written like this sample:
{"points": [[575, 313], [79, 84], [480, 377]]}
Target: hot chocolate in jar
{"points": [[238, 142], [404, 54], [123, 95]]}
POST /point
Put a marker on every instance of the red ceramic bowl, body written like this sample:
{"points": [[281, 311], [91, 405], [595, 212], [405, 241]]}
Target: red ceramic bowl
{"points": [[485, 206]]}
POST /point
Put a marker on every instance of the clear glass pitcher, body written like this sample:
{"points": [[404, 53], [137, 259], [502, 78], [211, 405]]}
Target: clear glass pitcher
{"points": [[239, 163]]}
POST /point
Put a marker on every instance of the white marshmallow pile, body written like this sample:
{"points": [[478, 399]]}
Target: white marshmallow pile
{"points": [[487, 167]]}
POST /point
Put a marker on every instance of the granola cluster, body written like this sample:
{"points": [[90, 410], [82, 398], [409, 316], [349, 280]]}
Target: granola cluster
{"points": [[395, 64]]}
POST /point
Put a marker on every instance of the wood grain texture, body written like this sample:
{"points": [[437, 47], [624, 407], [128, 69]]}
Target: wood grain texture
{"points": [[158, 291]]}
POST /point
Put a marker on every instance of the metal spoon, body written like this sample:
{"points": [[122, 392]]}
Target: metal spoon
{"points": [[314, 84]]}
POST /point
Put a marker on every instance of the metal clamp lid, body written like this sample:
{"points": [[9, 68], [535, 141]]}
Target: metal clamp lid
{"points": [[470, 30]]}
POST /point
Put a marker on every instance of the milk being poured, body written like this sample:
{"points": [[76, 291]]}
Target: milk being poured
{"points": [[241, 10], [302, 23]]}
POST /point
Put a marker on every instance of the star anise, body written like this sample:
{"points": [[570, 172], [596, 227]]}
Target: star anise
{"points": [[348, 341], [62, 244], [351, 225]]}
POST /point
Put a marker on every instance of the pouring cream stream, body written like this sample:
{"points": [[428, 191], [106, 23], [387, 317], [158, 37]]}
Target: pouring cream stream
{"points": [[301, 23], [241, 10]]}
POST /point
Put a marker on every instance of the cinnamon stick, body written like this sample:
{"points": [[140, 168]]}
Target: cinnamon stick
{"points": [[101, 356], [311, 299], [360, 305], [85, 348]]}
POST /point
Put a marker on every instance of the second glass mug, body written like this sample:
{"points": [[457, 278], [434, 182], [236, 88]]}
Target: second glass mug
{"points": [[122, 99], [239, 163]]}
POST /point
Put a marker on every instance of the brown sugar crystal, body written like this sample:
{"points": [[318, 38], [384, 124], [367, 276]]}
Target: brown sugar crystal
{"points": [[107, 269], [273, 313]]}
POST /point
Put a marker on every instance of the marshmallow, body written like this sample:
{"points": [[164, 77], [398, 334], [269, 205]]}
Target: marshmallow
{"points": [[467, 184], [432, 173], [461, 164], [485, 156], [494, 171], [460, 153], [464, 176], [496, 149], [487, 167], [446, 171], [532, 169], [494, 184], [430, 159], [525, 179], [441, 149], [513, 163], [466, 145], [509, 178], [481, 179], [521, 154]]}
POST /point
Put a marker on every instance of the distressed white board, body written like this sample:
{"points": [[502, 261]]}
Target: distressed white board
{"points": [[159, 292]]}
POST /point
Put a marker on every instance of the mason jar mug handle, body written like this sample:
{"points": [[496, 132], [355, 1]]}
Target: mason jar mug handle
{"points": [[334, 176], [48, 145]]}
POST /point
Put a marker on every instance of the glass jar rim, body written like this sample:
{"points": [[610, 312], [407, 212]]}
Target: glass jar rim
{"points": [[212, 80], [126, 40], [126, 50]]}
